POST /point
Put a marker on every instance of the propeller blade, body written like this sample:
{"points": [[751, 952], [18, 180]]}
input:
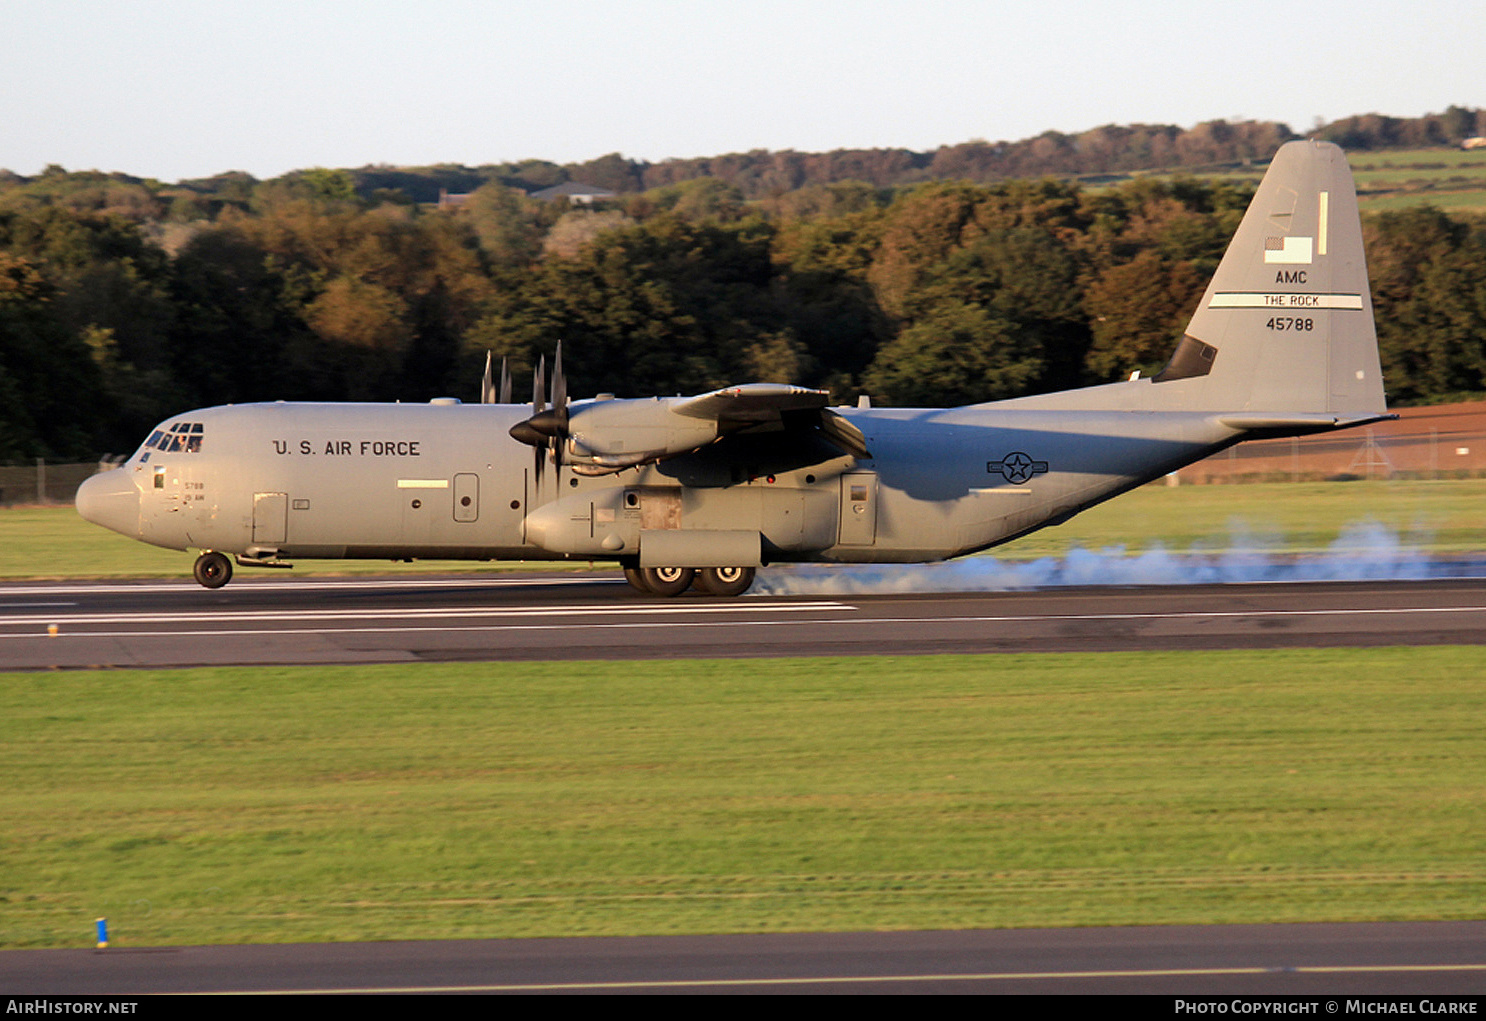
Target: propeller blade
{"points": [[559, 383], [505, 382], [559, 410], [487, 391], [538, 405]]}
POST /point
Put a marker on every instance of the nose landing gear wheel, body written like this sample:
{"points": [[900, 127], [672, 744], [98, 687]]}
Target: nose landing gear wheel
{"points": [[725, 581], [212, 570]]}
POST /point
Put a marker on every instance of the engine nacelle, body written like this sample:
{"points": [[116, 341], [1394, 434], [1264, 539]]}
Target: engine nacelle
{"points": [[609, 436]]}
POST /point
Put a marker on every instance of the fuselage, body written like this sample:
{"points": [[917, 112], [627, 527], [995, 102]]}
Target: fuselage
{"points": [[445, 481]]}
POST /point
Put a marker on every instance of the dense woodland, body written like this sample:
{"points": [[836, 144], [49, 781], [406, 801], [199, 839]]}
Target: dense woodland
{"points": [[976, 272]]}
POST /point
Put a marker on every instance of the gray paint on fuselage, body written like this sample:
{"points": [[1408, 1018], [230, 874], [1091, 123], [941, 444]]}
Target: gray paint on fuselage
{"points": [[378, 480], [940, 497]]}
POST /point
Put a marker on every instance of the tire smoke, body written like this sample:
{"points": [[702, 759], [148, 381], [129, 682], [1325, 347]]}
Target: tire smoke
{"points": [[1364, 551]]}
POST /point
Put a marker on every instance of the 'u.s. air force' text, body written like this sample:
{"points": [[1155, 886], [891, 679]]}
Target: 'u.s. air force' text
{"points": [[351, 448]]}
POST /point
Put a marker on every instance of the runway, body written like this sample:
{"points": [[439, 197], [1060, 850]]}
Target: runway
{"points": [[1431, 959], [550, 616]]}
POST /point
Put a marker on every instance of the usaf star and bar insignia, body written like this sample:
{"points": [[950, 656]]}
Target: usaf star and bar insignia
{"points": [[1016, 467]]}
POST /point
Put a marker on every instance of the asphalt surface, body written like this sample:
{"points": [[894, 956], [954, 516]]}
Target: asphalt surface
{"points": [[553, 616], [1397, 958]]}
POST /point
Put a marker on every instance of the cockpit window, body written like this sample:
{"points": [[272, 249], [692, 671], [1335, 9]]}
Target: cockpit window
{"points": [[176, 438], [181, 436]]}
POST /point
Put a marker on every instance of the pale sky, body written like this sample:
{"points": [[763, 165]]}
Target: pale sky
{"points": [[176, 90]]}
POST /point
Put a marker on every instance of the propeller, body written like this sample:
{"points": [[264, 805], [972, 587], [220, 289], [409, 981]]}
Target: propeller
{"points": [[546, 429]]}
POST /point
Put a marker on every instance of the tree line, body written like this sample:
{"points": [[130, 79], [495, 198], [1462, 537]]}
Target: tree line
{"points": [[124, 301]]}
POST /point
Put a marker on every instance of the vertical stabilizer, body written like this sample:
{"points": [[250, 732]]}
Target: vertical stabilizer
{"points": [[1286, 324]]}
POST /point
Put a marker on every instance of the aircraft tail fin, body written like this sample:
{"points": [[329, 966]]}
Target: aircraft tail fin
{"points": [[1286, 325]]}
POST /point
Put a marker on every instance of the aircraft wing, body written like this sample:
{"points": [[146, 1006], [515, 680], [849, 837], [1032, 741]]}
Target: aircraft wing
{"points": [[604, 436], [760, 404], [751, 403]]}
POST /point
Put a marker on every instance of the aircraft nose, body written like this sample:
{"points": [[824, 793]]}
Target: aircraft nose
{"points": [[110, 499]]}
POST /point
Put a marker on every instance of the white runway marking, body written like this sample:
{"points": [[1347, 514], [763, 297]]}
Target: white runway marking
{"points": [[669, 611], [187, 587], [435, 612]]}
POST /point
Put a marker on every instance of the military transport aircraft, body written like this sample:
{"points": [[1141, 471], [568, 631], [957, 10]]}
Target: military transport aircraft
{"points": [[704, 490]]}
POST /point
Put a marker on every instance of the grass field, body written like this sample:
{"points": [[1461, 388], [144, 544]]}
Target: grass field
{"points": [[1452, 179], [1429, 516], [367, 803], [1448, 178]]}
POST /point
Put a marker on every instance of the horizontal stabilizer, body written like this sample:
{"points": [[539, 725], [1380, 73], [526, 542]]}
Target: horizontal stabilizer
{"points": [[1300, 421]]}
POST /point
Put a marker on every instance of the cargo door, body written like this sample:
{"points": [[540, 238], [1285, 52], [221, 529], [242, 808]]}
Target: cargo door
{"points": [[270, 518]]}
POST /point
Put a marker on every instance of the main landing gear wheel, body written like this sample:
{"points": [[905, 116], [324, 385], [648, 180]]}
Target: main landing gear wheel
{"points": [[666, 581], [213, 570], [725, 581], [636, 580]]}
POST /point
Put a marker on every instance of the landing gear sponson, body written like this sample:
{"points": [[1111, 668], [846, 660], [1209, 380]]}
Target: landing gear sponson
{"points": [[672, 581]]}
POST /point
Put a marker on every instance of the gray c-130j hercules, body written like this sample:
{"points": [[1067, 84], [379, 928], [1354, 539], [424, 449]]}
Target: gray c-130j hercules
{"points": [[707, 489]]}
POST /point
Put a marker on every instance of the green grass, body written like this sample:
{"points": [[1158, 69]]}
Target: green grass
{"points": [[1451, 201], [274, 805], [53, 542], [1432, 517], [1452, 179]]}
